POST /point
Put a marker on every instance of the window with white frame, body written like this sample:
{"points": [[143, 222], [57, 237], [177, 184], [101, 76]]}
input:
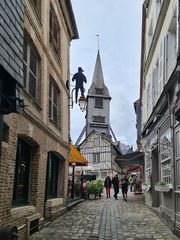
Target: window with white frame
{"points": [[165, 156], [54, 102], [158, 8], [96, 142], [161, 67], [155, 83], [31, 69], [148, 168], [96, 157], [170, 46]]}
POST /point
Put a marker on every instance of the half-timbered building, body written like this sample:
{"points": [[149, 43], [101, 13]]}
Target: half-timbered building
{"points": [[100, 153]]}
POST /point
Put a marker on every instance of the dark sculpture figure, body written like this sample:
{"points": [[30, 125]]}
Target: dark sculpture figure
{"points": [[80, 78]]}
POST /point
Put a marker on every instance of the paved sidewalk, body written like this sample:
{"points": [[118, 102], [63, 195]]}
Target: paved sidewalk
{"points": [[107, 219]]}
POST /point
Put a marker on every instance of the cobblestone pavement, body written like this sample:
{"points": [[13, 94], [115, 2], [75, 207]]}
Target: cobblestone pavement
{"points": [[107, 219]]}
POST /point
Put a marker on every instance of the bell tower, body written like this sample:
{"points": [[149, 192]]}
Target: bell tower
{"points": [[98, 103]]}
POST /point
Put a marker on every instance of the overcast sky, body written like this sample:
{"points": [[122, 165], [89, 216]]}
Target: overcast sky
{"points": [[118, 24]]}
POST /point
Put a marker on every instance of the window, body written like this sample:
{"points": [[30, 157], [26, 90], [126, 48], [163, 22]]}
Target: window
{"points": [[31, 73], [158, 8], [99, 91], [52, 176], [165, 155], [161, 67], [98, 102], [170, 49], [54, 99], [22, 169], [96, 142], [149, 100], [177, 158], [148, 168], [150, 35], [177, 141], [99, 119], [37, 7], [96, 157], [155, 83], [54, 31]]}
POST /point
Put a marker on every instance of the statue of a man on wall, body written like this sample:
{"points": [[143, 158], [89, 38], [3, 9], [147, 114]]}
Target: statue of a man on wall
{"points": [[80, 78]]}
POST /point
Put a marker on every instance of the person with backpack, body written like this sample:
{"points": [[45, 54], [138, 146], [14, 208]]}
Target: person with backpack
{"points": [[107, 185]]}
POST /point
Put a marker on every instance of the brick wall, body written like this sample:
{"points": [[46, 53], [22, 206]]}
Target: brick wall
{"points": [[11, 37]]}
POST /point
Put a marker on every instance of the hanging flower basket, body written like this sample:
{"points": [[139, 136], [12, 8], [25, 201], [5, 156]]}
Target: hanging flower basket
{"points": [[163, 187]]}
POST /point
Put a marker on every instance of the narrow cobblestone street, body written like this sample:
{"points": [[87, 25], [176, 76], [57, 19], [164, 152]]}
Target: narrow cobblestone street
{"points": [[107, 219]]}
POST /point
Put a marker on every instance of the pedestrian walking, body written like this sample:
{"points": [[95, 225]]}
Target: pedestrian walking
{"points": [[107, 185], [131, 182], [80, 78], [84, 189], [124, 187], [115, 182]]}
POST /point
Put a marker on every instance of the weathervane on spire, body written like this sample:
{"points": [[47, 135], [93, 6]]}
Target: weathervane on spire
{"points": [[97, 35]]}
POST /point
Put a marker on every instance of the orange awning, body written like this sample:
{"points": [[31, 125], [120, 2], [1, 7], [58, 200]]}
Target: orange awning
{"points": [[76, 158]]}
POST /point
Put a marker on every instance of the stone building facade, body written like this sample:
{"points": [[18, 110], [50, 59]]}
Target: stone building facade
{"points": [[160, 108], [35, 146]]}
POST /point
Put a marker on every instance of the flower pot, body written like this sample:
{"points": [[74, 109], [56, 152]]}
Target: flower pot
{"points": [[92, 196], [163, 188]]}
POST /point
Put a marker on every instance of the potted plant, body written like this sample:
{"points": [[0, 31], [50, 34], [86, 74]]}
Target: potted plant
{"points": [[100, 187], [92, 189], [162, 187]]}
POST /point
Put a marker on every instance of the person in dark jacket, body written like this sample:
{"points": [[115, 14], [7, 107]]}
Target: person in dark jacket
{"points": [[124, 187], [107, 185], [80, 78], [115, 182]]}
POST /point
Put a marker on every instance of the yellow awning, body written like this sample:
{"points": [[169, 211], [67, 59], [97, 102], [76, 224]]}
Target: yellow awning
{"points": [[76, 158]]}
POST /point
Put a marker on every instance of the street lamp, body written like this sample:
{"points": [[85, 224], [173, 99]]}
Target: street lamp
{"points": [[81, 101]]}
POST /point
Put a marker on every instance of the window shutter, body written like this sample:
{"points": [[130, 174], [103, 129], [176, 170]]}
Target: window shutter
{"points": [[166, 39], [154, 87], [161, 67]]}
